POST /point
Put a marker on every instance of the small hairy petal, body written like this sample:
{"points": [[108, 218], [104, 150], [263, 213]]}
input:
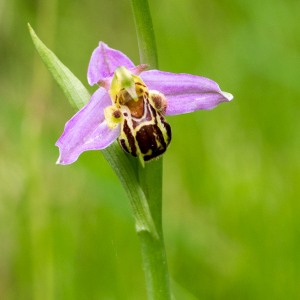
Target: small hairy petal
{"points": [[138, 69], [87, 130], [185, 93], [104, 61]]}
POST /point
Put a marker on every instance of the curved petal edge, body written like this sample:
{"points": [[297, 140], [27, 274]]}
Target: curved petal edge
{"points": [[104, 61], [185, 93], [87, 130]]}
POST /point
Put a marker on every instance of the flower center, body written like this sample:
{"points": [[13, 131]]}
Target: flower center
{"points": [[144, 130], [125, 106]]}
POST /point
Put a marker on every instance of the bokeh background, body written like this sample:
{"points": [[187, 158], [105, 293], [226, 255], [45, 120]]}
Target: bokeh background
{"points": [[231, 175]]}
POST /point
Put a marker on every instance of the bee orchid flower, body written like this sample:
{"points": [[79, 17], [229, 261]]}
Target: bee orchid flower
{"points": [[131, 103]]}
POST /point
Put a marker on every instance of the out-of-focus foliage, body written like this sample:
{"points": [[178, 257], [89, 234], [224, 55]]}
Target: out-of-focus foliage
{"points": [[231, 191]]}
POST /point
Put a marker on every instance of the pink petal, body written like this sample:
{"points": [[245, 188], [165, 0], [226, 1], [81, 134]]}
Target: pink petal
{"points": [[87, 130], [185, 93], [104, 61]]}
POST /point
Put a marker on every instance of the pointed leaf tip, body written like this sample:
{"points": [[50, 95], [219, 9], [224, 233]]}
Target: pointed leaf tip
{"points": [[71, 86]]}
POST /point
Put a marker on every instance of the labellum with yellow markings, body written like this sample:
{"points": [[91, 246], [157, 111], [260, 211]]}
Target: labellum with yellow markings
{"points": [[144, 130]]}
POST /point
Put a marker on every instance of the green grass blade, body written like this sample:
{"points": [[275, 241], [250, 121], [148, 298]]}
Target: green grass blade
{"points": [[71, 86], [123, 168]]}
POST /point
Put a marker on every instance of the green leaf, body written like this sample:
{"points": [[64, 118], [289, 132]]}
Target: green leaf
{"points": [[78, 97], [123, 168], [71, 86]]}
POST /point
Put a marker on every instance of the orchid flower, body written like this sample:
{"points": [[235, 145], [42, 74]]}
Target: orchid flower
{"points": [[131, 103]]}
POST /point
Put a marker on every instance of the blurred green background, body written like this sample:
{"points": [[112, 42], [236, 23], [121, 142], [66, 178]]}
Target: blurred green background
{"points": [[231, 175]]}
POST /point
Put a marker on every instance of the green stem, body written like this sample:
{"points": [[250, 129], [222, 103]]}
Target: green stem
{"points": [[153, 249], [145, 33], [150, 176]]}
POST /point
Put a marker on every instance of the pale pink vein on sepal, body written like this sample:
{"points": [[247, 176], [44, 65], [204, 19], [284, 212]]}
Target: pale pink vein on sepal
{"points": [[104, 61], [87, 130], [185, 93]]}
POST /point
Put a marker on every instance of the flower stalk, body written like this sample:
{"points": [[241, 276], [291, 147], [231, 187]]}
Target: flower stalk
{"points": [[130, 104], [145, 33], [150, 175]]}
